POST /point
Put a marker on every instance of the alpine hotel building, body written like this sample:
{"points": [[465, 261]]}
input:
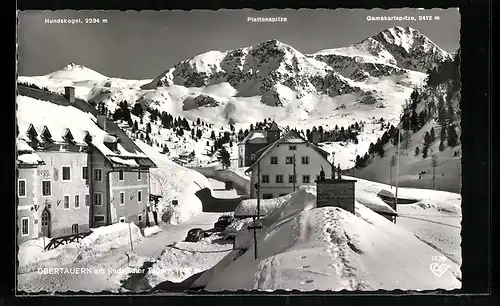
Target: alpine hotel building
{"points": [[75, 168]]}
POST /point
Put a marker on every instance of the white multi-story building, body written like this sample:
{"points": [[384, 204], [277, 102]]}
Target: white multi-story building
{"points": [[285, 165]]}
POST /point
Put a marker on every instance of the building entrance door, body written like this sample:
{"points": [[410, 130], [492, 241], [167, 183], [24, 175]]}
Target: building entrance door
{"points": [[46, 223]]}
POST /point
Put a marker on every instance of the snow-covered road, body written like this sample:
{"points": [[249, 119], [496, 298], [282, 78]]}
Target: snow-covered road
{"points": [[148, 248]]}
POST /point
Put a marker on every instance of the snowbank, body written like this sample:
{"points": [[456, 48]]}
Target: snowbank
{"points": [[249, 207], [307, 248], [208, 275], [150, 231], [174, 182], [32, 255], [330, 249], [184, 259]]}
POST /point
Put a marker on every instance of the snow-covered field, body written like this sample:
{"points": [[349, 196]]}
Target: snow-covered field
{"points": [[184, 259], [32, 256], [307, 248]]}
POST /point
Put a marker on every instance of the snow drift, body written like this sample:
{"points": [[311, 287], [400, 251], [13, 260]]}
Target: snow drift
{"points": [[307, 248], [174, 182], [184, 259], [32, 255]]}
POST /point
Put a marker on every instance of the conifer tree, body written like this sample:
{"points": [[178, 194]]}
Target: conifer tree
{"points": [[441, 146], [427, 139], [452, 136], [425, 151], [417, 151], [433, 135]]}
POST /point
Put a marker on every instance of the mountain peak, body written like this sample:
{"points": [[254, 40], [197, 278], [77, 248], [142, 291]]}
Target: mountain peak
{"points": [[75, 71]]}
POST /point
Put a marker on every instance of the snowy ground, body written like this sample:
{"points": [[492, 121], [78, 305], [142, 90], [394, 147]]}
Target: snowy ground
{"points": [[147, 249], [305, 248]]}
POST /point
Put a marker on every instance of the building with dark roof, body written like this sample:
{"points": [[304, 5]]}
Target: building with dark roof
{"points": [[89, 172], [255, 141]]}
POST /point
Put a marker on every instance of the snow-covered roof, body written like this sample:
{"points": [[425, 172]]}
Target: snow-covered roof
{"points": [[50, 114], [26, 155], [255, 136], [289, 137]]}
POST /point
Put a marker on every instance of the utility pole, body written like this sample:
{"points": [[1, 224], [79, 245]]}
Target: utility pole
{"points": [[397, 173], [434, 165], [294, 173], [255, 226]]}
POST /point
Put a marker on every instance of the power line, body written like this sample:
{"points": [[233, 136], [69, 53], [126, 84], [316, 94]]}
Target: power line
{"points": [[458, 227]]}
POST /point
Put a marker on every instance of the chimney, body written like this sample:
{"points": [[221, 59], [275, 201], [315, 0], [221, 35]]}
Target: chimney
{"points": [[101, 122], [69, 93]]}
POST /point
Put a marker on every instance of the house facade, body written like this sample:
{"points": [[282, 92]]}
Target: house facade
{"points": [[287, 164], [255, 141], [89, 173]]}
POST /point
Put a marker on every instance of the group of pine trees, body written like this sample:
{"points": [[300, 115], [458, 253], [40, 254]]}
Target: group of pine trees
{"points": [[346, 135], [377, 148], [415, 118]]}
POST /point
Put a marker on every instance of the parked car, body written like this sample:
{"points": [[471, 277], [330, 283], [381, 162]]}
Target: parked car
{"points": [[195, 235], [223, 222]]}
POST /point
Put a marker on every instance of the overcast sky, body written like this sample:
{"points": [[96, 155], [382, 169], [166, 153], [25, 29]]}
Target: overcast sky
{"points": [[141, 45]]}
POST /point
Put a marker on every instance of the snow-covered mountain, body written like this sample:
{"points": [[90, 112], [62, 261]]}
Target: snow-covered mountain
{"points": [[391, 52], [76, 72], [366, 81], [260, 70]]}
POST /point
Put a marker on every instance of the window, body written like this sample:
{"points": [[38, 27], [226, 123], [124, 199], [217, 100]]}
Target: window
{"points": [[66, 201], [291, 178], [279, 178], [98, 218], [122, 219], [66, 173], [289, 160], [97, 198], [139, 218], [74, 228], [87, 200], [305, 160], [274, 160], [253, 157], [306, 179], [21, 188], [267, 196], [139, 196], [139, 175], [25, 228], [98, 175], [265, 179], [122, 198], [294, 147], [120, 176], [77, 201], [85, 173], [46, 189]]}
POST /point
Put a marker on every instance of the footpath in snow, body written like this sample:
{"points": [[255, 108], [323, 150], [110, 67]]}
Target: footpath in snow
{"points": [[307, 248]]}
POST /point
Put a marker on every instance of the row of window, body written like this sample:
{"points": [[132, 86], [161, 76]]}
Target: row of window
{"points": [[122, 197], [47, 186], [291, 179], [76, 201], [290, 160], [47, 191], [66, 174]]}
